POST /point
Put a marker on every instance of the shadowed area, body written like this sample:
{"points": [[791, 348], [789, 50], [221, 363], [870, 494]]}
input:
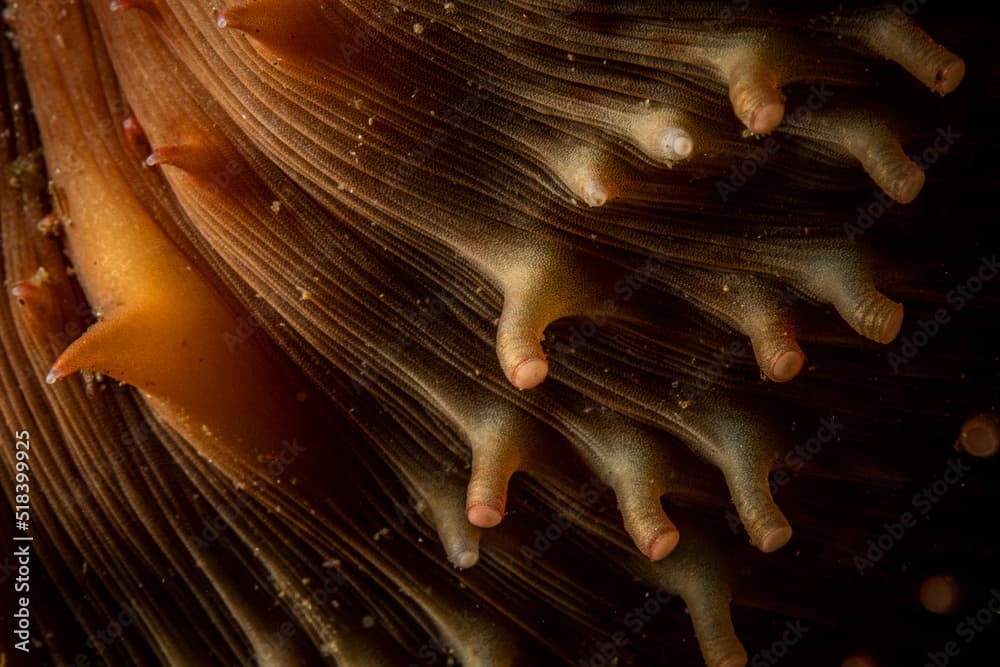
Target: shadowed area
{"points": [[503, 333]]}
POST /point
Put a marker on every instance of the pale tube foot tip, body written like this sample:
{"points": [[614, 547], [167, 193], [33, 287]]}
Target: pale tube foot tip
{"points": [[775, 538], [483, 515], [529, 373], [683, 146], [786, 365], [594, 194], [766, 117], [893, 323], [463, 560], [663, 544], [158, 156], [950, 76], [122, 5], [677, 144], [907, 188], [733, 661]]}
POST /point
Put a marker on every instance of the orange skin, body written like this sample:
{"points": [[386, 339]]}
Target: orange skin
{"points": [[161, 327]]}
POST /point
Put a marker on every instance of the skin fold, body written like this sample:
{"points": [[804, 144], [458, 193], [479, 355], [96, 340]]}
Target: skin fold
{"points": [[503, 333]]}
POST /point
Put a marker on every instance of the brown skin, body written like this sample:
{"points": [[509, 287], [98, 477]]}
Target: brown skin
{"points": [[285, 112]]}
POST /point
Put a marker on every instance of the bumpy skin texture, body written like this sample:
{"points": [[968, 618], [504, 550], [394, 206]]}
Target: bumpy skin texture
{"points": [[362, 263]]}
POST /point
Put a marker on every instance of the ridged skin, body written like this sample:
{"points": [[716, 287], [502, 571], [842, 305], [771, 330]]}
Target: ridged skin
{"points": [[318, 278]]}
